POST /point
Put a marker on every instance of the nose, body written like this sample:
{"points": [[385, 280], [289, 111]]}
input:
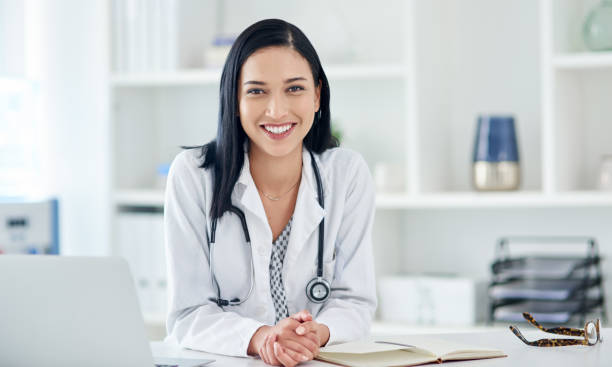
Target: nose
{"points": [[277, 107]]}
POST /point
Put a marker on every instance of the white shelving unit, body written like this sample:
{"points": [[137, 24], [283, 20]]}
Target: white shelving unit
{"points": [[165, 79], [211, 77], [144, 197], [437, 169], [582, 61], [525, 199], [408, 80], [576, 89]]}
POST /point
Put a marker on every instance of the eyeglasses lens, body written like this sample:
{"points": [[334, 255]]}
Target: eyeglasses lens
{"points": [[591, 332], [598, 326]]}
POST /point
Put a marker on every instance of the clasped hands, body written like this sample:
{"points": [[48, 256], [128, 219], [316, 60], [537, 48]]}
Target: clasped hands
{"points": [[291, 341]]}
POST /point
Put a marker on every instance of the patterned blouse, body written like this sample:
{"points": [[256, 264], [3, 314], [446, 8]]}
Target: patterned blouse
{"points": [[279, 249]]}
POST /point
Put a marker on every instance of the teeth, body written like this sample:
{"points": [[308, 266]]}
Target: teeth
{"points": [[278, 129]]}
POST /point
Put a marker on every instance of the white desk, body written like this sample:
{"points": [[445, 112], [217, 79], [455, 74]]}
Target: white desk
{"points": [[518, 353]]}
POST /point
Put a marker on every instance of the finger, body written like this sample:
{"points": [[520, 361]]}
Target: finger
{"points": [[314, 337], [270, 341], [306, 327], [288, 323], [312, 346], [263, 352], [298, 349], [269, 356], [262, 355], [284, 356], [308, 343], [302, 316]]}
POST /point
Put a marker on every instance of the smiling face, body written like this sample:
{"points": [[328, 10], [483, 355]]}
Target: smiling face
{"points": [[277, 100]]}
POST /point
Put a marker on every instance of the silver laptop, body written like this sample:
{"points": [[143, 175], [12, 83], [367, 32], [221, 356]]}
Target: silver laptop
{"points": [[72, 311]]}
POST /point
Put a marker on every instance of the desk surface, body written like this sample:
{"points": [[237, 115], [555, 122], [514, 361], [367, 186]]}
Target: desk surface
{"points": [[518, 353]]}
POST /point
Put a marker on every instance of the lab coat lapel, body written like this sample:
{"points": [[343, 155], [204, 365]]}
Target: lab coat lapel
{"points": [[245, 192], [307, 214]]}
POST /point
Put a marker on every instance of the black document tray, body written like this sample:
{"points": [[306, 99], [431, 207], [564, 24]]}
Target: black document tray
{"points": [[543, 267], [542, 289], [553, 312], [557, 279]]}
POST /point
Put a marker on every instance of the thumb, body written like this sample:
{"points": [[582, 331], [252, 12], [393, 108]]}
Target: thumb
{"points": [[306, 327]]}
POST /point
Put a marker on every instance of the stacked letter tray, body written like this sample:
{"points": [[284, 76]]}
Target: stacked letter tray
{"points": [[556, 279]]}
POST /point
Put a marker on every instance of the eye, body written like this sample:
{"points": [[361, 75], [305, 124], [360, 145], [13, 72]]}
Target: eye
{"points": [[295, 88], [255, 91]]}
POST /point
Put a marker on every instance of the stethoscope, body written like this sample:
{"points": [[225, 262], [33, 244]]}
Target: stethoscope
{"points": [[317, 290]]}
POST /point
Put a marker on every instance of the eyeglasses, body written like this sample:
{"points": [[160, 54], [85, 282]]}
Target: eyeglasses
{"points": [[591, 334]]}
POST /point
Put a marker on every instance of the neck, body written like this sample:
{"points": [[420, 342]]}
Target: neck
{"points": [[275, 175]]}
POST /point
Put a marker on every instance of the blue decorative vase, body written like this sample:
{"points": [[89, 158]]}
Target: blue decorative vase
{"points": [[496, 159]]}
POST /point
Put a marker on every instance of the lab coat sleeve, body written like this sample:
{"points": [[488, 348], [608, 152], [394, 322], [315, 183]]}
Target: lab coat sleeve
{"points": [[348, 314], [193, 321]]}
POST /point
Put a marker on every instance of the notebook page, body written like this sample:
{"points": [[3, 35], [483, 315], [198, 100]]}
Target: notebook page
{"points": [[473, 355], [439, 347], [361, 347], [393, 358]]}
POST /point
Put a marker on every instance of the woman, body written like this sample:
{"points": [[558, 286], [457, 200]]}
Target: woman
{"points": [[309, 222]]}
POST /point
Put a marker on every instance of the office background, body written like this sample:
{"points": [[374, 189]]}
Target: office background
{"points": [[115, 87]]}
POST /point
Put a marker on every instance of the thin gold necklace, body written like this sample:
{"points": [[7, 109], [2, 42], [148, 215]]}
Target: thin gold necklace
{"points": [[277, 198]]}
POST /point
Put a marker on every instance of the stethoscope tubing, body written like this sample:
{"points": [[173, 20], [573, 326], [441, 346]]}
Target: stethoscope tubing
{"points": [[322, 224], [318, 280], [236, 301]]}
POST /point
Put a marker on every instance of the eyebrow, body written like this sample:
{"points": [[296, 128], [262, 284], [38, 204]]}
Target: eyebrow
{"points": [[287, 81]]}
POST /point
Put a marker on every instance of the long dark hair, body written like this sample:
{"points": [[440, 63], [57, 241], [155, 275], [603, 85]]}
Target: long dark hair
{"points": [[225, 154]]}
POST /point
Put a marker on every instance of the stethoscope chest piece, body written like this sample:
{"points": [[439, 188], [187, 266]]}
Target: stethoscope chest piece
{"points": [[318, 290]]}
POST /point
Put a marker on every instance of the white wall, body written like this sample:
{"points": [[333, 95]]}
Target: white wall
{"points": [[67, 40]]}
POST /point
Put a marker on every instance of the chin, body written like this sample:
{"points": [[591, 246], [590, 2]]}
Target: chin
{"points": [[279, 150]]}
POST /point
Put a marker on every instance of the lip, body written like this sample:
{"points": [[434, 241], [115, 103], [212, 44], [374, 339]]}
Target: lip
{"points": [[278, 136]]}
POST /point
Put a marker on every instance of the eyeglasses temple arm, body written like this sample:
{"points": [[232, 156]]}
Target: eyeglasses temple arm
{"points": [[556, 330], [532, 321], [547, 342], [565, 331], [516, 332]]}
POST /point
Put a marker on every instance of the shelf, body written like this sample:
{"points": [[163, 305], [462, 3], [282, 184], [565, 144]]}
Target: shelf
{"points": [[345, 72], [213, 76], [149, 198], [468, 200], [167, 78], [584, 60]]}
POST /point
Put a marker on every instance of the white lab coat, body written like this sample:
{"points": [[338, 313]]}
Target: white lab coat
{"points": [[194, 322]]}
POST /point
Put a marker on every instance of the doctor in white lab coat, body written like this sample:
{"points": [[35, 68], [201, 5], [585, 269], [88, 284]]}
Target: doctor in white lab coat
{"points": [[274, 112]]}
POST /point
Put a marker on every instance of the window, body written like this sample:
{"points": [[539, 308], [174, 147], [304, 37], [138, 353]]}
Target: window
{"points": [[20, 130], [19, 137]]}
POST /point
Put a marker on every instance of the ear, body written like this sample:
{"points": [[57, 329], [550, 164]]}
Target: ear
{"points": [[318, 96]]}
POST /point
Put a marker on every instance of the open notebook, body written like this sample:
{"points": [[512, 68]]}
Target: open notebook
{"points": [[402, 351]]}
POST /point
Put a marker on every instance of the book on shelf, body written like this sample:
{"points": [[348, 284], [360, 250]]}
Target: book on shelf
{"points": [[403, 351], [145, 35]]}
